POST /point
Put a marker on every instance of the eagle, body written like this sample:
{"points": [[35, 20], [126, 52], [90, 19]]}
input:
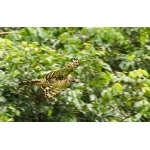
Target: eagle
{"points": [[55, 81]]}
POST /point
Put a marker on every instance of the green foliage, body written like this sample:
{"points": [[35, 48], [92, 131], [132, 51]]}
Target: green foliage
{"points": [[114, 74]]}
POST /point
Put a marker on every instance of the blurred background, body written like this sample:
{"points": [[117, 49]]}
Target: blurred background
{"points": [[113, 73]]}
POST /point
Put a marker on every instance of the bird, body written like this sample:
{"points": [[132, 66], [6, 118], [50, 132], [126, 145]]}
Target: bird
{"points": [[55, 82]]}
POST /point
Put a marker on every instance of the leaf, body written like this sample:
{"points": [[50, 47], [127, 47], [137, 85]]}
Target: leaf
{"points": [[131, 57]]}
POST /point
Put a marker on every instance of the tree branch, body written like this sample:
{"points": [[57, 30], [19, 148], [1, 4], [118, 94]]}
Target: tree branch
{"points": [[13, 32]]}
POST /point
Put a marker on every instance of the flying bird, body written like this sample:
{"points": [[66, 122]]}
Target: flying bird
{"points": [[55, 81]]}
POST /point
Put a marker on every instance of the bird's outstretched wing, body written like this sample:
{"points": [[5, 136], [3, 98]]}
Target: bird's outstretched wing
{"points": [[50, 92], [62, 73]]}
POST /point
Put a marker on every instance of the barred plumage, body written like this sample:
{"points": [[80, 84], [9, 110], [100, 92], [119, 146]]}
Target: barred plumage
{"points": [[55, 81]]}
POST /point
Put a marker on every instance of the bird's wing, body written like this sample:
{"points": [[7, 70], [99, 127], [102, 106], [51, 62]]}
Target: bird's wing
{"points": [[62, 73], [50, 92]]}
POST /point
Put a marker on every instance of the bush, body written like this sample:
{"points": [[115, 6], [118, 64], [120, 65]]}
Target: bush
{"points": [[113, 72]]}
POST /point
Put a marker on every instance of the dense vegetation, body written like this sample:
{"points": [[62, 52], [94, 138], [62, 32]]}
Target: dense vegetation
{"points": [[114, 74]]}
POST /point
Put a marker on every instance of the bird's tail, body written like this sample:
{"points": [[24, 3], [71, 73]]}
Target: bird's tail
{"points": [[29, 82]]}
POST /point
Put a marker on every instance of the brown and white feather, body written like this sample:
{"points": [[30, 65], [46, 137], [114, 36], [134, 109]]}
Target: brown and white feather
{"points": [[55, 81]]}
